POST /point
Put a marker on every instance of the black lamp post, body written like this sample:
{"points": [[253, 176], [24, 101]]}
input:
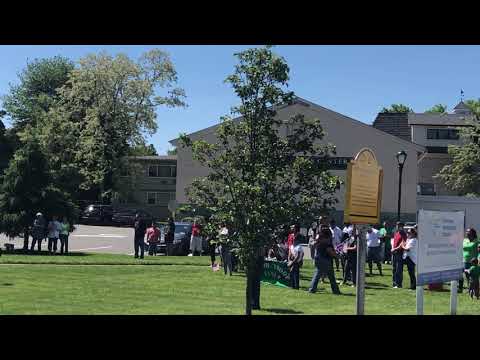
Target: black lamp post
{"points": [[401, 157]]}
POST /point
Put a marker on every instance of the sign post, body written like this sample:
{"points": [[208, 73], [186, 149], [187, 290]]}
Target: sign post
{"points": [[439, 257], [173, 206], [363, 202]]}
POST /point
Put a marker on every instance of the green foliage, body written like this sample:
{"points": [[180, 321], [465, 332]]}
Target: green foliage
{"points": [[172, 152], [463, 174], [27, 188], [474, 105], [28, 102], [397, 108], [110, 102], [260, 180], [437, 109], [142, 150]]}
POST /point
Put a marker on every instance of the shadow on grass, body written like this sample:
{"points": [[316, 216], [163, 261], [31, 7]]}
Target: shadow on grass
{"points": [[369, 283], [7, 284], [283, 311], [43, 253]]}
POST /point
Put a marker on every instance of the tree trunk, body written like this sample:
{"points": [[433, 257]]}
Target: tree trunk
{"points": [[250, 270]]}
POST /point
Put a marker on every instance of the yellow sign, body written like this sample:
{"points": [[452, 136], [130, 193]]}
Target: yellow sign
{"points": [[363, 197]]}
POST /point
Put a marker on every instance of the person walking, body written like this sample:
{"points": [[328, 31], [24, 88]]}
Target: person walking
{"points": [[38, 231], [410, 256], [225, 249], [385, 235], [397, 255], [470, 251], [53, 234], [65, 230], [295, 262], [153, 238], [351, 257], [324, 253], [139, 236], [337, 235], [373, 250]]}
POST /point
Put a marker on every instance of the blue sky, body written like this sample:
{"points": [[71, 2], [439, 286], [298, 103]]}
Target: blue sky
{"points": [[354, 80]]}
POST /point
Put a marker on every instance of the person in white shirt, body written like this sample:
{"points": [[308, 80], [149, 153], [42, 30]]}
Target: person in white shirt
{"points": [[54, 228], [337, 236], [374, 250], [410, 256], [295, 262], [312, 232]]}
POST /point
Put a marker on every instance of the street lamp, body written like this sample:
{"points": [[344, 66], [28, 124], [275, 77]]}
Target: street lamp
{"points": [[401, 157]]}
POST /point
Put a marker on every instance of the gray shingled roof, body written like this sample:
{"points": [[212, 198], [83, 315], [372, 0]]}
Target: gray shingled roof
{"points": [[395, 124], [437, 119], [161, 157]]}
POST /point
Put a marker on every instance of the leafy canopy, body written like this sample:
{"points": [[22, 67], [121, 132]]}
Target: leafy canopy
{"points": [[259, 177], [397, 108]]}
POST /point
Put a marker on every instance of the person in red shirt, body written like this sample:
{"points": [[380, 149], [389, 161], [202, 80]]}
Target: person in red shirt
{"points": [[399, 238], [196, 239], [291, 236], [153, 237]]}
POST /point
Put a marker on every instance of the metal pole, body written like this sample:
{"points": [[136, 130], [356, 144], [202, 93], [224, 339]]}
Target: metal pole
{"points": [[360, 272], [400, 171], [419, 300], [453, 297]]}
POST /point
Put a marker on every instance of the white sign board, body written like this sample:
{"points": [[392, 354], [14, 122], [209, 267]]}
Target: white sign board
{"points": [[440, 246]]}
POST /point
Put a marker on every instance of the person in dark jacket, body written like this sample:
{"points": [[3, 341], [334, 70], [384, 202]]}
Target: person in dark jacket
{"points": [[324, 254], [170, 236], [139, 242], [38, 231]]}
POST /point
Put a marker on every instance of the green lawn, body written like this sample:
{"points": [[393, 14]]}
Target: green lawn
{"points": [[37, 284]]}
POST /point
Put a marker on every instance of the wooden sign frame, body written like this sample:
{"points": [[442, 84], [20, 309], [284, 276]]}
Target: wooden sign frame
{"points": [[365, 160]]}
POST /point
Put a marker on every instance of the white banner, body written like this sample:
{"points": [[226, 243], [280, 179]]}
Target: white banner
{"points": [[440, 246]]}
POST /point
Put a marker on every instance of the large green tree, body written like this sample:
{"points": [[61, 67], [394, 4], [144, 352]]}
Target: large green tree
{"points": [[109, 106], [259, 179], [397, 108], [463, 173], [28, 102], [27, 187]]}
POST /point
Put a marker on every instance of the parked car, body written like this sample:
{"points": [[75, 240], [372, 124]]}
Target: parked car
{"points": [[97, 214], [409, 225], [126, 217], [181, 239]]}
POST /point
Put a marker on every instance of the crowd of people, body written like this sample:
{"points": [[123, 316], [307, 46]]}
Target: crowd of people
{"points": [[51, 231]]}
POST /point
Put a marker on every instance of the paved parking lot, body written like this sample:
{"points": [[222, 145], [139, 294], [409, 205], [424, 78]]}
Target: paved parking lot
{"points": [[101, 239]]}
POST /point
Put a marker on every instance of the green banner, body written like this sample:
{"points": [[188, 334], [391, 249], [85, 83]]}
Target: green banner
{"points": [[276, 273]]}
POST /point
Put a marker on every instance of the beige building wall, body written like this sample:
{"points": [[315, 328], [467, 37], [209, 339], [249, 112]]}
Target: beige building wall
{"points": [[349, 136]]}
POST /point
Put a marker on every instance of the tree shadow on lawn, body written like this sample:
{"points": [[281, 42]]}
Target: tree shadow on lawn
{"points": [[283, 311], [7, 284], [369, 283]]}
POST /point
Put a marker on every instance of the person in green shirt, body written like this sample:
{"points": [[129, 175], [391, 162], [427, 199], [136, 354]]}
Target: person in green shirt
{"points": [[474, 273], [64, 233], [470, 251]]}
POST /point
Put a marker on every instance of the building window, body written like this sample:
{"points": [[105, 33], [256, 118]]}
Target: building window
{"points": [[442, 134], [162, 171], [160, 198], [426, 189], [151, 198], [437, 149]]}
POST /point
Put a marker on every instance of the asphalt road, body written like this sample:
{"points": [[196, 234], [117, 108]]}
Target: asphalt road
{"points": [[101, 239]]}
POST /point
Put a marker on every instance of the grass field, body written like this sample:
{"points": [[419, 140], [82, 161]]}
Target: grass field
{"points": [[39, 284]]}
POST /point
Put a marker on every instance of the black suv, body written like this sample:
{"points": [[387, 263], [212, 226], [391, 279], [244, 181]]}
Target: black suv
{"points": [[126, 217], [97, 214]]}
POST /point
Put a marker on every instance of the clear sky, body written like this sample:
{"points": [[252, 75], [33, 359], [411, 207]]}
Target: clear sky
{"points": [[354, 80]]}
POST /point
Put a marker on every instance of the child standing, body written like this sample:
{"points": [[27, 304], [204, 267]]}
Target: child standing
{"points": [[64, 233], [474, 272], [295, 262]]}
